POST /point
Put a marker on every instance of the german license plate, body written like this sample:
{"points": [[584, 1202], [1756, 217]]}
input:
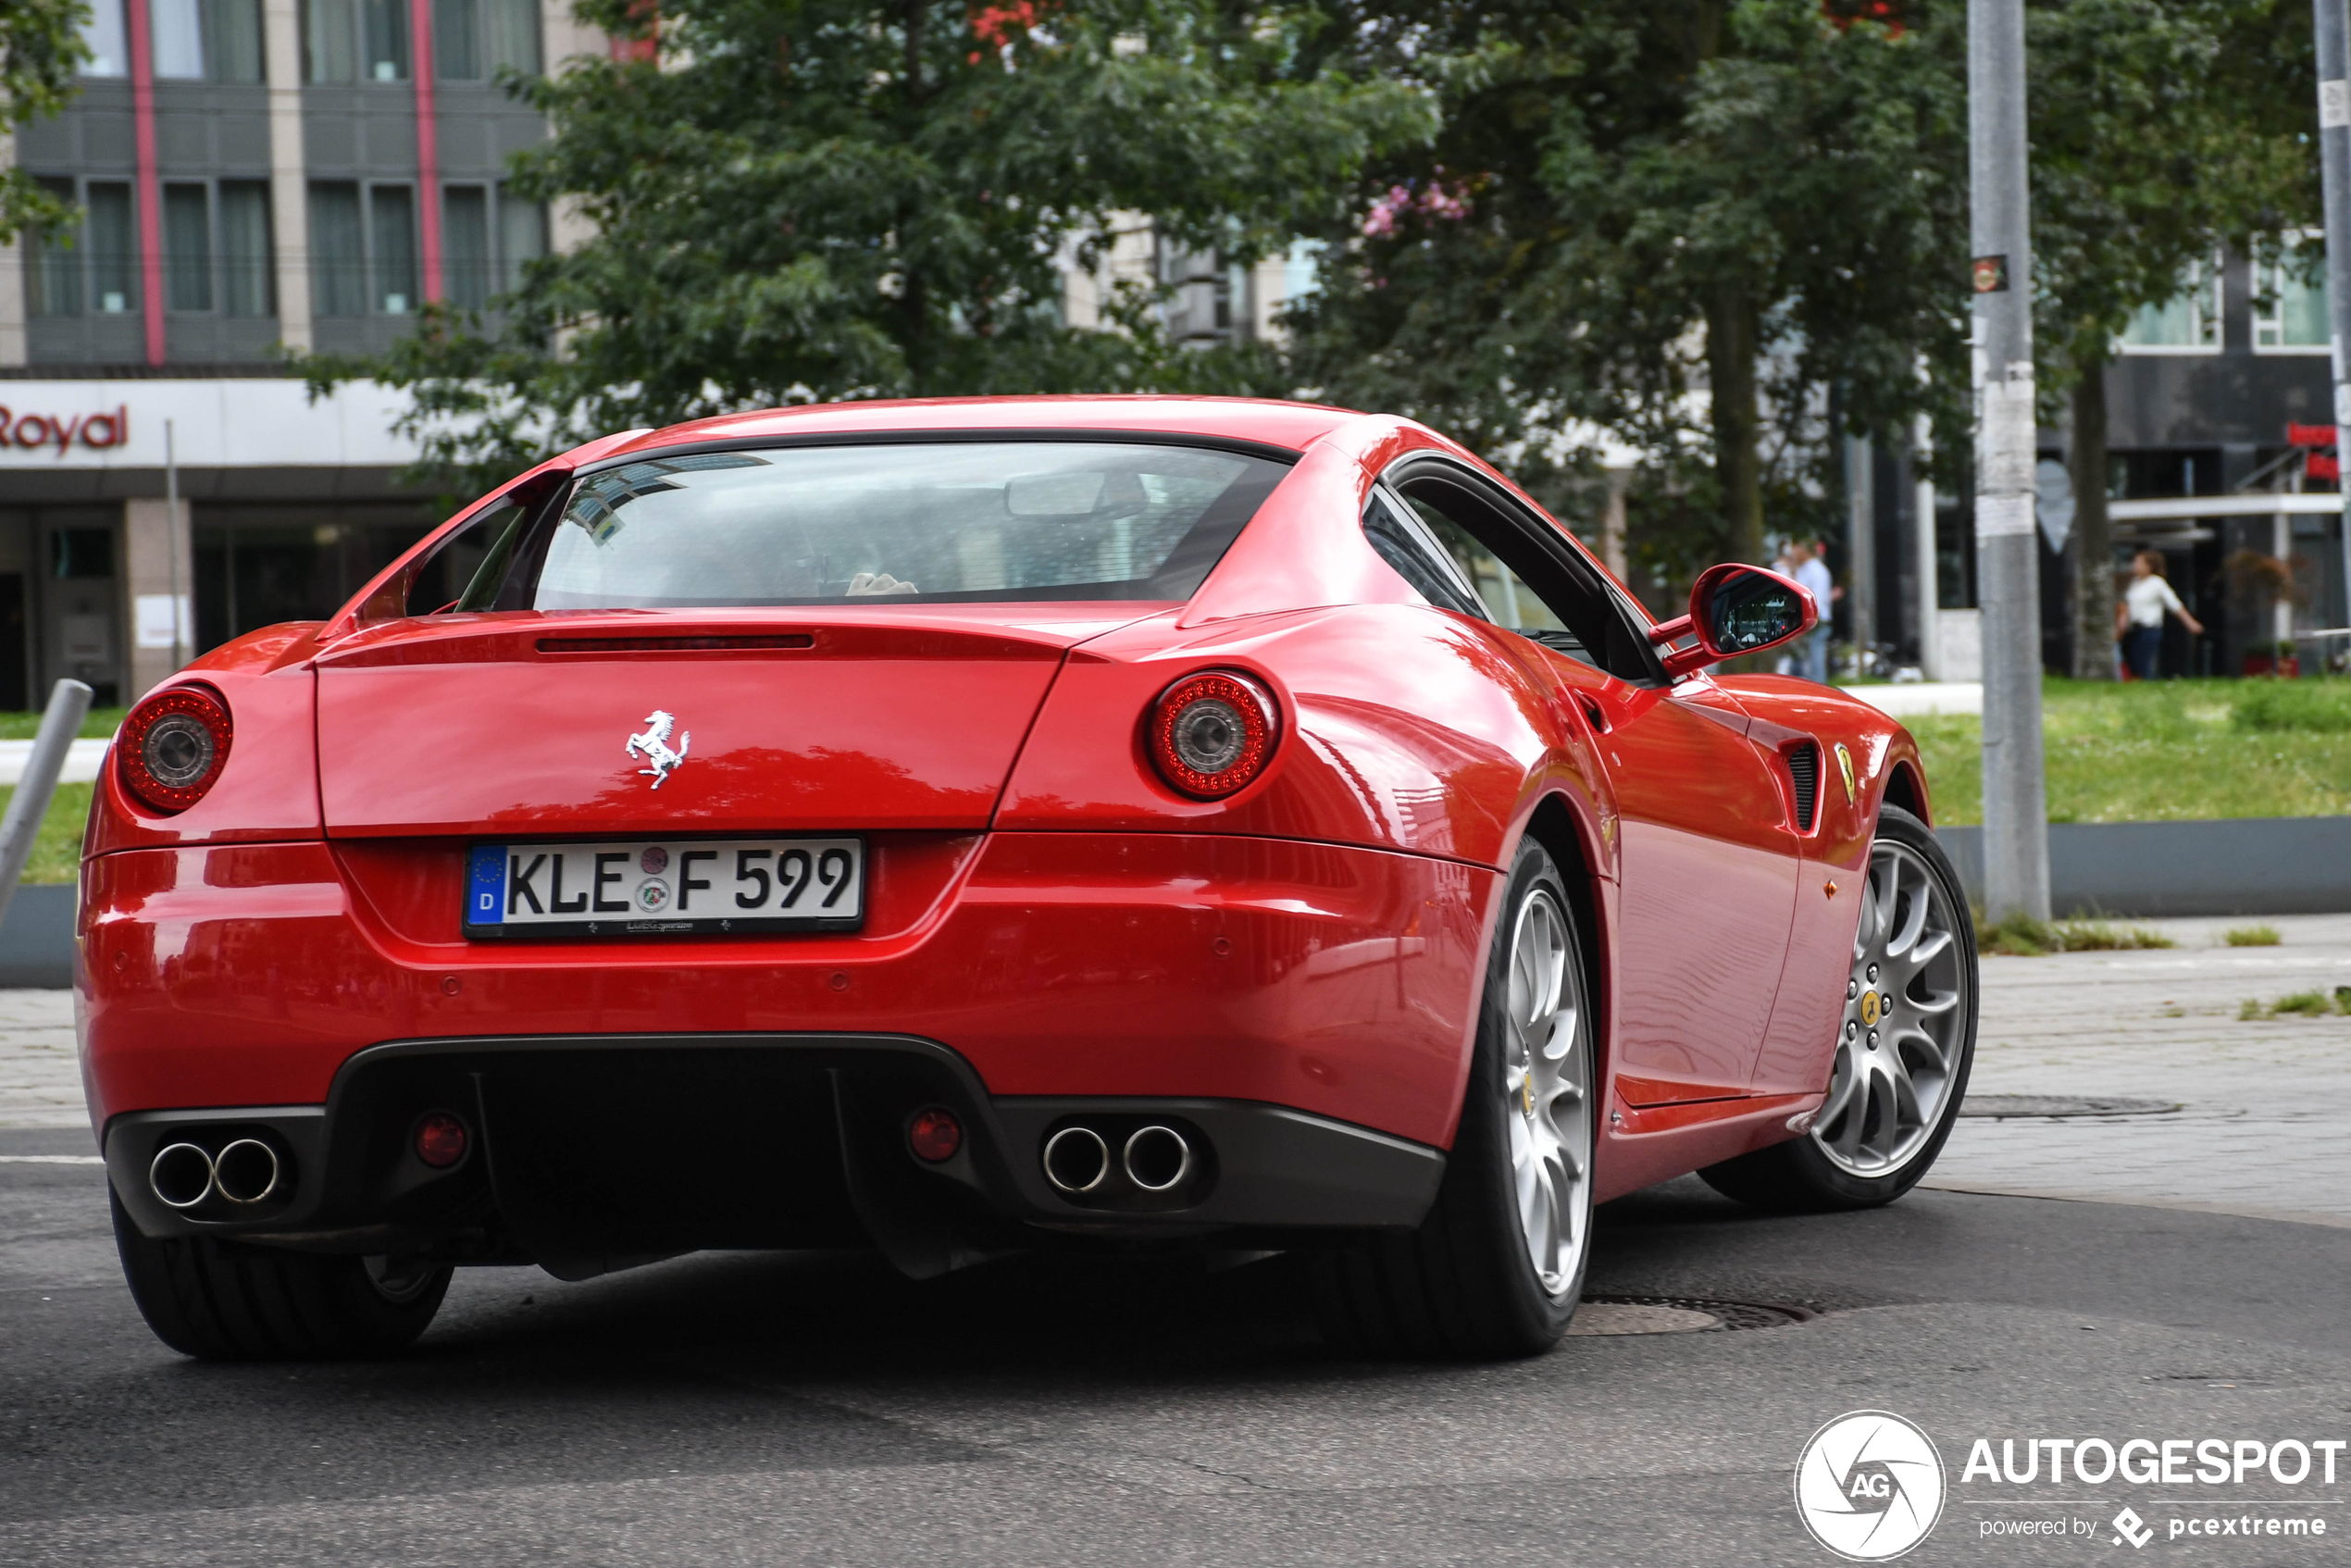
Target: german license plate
{"points": [[680, 887]]}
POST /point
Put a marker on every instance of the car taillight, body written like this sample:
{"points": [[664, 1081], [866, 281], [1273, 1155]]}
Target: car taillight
{"points": [[1212, 733], [173, 747]]}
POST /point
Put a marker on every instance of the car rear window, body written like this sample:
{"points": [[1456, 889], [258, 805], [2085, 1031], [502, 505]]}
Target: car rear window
{"points": [[913, 522]]}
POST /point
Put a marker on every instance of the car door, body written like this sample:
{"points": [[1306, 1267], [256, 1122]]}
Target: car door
{"points": [[1707, 864]]}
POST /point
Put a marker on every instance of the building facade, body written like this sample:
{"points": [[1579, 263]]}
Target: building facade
{"points": [[256, 179]]}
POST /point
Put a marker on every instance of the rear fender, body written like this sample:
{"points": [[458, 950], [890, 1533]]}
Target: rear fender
{"points": [[268, 789]]}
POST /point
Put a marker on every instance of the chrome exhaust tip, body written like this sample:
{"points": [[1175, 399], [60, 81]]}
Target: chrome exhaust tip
{"points": [[1157, 1158], [1076, 1160], [245, 1171], [181, 1174]]}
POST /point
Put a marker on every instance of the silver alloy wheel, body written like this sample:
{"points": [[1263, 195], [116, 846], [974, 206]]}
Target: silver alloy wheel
{"points": [[1905, 1008], [1546, 1080]]}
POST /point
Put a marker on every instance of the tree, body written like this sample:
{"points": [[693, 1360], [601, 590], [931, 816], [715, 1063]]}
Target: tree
{"points": [[41, 48], [2160, 133], [806, 200], [1759, 196]]}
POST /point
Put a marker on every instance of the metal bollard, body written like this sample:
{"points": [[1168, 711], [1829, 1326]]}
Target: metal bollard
{"points": [[68, 704]]}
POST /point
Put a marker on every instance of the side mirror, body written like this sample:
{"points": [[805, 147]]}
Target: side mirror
{"points": [[1736, 610]]}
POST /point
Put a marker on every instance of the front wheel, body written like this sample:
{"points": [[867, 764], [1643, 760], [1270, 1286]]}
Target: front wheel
{"points": [[1498, 1266], [1904, 1044]]}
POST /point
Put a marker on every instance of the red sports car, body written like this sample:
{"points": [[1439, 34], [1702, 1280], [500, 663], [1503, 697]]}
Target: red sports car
{"points": [[959, 825]]}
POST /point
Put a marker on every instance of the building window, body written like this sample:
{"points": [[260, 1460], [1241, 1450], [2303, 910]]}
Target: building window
{"points": [[89, 264], [207, 40], [53, 263], [110, 43], [355, 40], [2290, 295], [187, 247], [522, 237], [363, 264], [392, 220], [2187, 323], [474, 268], [474, 40], [248, 273], [337, 250]]}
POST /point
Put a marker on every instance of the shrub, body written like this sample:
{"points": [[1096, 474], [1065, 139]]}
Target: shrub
{"points": [[2251, 936], [2271, 706]]}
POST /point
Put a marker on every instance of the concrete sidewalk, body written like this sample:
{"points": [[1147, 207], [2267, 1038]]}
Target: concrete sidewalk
{"points": [[2264, 1127]]}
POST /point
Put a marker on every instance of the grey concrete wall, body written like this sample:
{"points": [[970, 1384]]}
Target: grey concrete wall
{"points": [[2261, 866], [36, 940]]}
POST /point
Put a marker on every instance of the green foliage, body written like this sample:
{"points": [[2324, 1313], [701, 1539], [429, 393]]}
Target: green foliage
{"points": [[2302, 1004], [56, 848], [2159, 750], [96, 725], [41, 48], [2160, 131], [1626, 174], [812, 200], [2251, 936], [2271, 706], [2018, 935]]}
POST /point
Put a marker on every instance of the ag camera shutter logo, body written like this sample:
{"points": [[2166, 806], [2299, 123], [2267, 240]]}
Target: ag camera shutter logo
{"points": [[1869, 1486]]}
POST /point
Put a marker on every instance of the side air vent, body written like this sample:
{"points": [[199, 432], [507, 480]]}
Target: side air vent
{"points": [[1804, 771]]}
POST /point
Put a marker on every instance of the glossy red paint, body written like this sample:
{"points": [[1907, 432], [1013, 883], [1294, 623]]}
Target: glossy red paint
{"points": [[1335, 980], [1043, 901]]}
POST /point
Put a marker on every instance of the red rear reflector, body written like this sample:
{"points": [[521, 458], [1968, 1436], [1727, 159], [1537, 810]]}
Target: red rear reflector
{"points": [[173, 747], [1210, 734], [441, 1140], [935, 1134]]}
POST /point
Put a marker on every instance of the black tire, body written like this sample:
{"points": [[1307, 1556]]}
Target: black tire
{"points": [[220, 1300], [1800, 1176], [1464, 1284]]}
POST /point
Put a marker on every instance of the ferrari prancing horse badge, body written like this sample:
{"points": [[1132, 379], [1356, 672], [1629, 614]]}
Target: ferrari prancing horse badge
{"points": [[653, 746]]}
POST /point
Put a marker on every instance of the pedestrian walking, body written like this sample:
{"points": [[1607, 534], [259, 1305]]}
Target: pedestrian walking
{"points": [[1813, 572], [2138, 618]]}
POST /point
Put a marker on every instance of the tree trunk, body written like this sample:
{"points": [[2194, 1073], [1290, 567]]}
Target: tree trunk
{"points": [[2091, 545], [1738, 467]]}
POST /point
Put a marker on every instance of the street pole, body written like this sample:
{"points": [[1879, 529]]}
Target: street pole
{"points": [[2334, 42], [2016, 834], [1860, 550]]}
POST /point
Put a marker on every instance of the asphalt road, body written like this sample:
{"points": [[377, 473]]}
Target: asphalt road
{"points": [[816, 1409]]}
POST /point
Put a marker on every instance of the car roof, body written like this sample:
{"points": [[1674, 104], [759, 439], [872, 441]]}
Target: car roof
{"points": [[1295, 426]]}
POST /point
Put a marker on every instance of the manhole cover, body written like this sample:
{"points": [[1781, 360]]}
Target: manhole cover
{"points": [[2007, 1105], [1676, 1315]]}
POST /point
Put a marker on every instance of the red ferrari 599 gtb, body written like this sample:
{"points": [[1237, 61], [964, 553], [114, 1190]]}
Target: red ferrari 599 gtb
{"points": [[962, 825]]}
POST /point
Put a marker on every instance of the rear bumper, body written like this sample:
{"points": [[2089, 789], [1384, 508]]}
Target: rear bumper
{"points": [[1336, 981], [588, 1154]]}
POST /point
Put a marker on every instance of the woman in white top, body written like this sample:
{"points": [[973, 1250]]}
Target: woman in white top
{"points": [[2138, 619]]}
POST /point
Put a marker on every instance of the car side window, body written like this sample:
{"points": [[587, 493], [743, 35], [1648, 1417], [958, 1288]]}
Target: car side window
{"points": [[1405, 542], [1533, 584]]}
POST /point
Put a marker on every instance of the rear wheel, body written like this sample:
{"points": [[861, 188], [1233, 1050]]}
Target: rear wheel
{"points": [[1904, 1045], [220, 1300], [1497, 1266]]}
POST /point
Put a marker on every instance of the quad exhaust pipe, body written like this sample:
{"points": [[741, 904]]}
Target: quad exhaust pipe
{"points": [[1155, 1158], [184, 1174]]}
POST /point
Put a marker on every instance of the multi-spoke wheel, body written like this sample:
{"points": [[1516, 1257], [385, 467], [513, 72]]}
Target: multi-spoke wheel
{"points": [[1903, 1045], [1545, 1081], [1497, 1266]]}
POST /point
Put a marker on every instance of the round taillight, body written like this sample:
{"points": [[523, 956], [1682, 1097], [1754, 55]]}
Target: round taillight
{"points": [[1210, 734], [441, 1140], [935, 1134], [172, 747]]}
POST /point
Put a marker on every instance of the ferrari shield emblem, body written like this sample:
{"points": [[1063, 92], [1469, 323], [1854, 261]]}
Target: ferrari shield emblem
{"points": [[653, 746], [1844, 769]]}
